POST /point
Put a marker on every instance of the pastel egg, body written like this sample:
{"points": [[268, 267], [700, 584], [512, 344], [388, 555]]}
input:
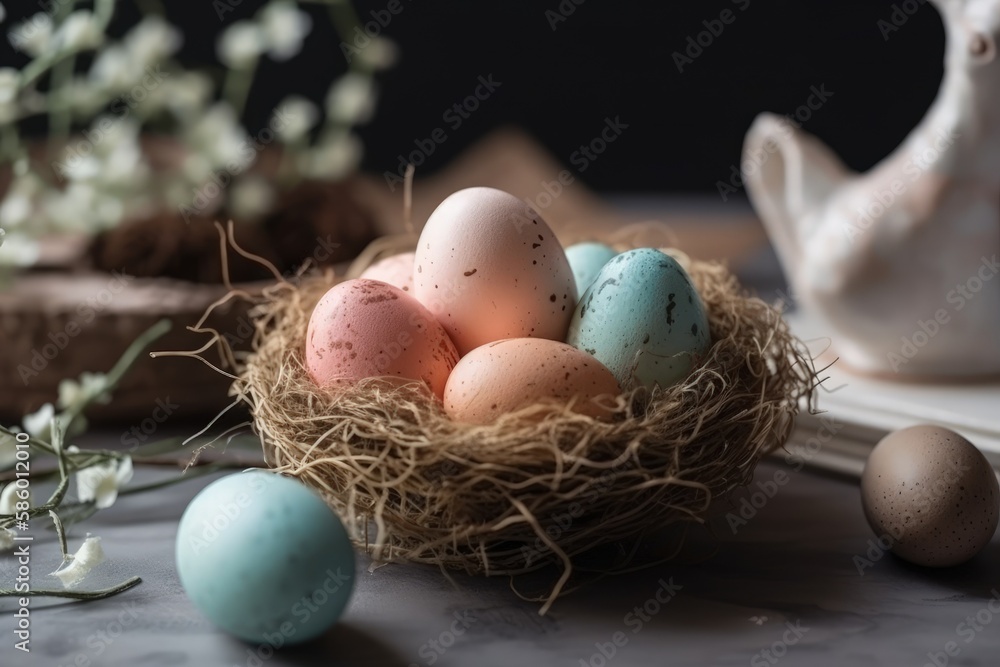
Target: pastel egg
{"points": [[506, 375], [264, 558], [643, 319], [396, 270], [586, 260], [365, 328], [489, 268], [931, 495]]}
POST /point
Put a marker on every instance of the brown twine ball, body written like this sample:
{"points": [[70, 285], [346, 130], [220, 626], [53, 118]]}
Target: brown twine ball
{"points": [[493, 499]]}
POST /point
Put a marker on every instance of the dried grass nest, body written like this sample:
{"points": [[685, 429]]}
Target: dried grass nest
{"points": [[495, 499]]}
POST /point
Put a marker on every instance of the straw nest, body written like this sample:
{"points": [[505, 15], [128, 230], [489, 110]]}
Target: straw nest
{"points": [[540, 486]]}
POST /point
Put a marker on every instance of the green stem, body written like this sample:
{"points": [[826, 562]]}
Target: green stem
{"points": [[76, 595], [236, 87]]}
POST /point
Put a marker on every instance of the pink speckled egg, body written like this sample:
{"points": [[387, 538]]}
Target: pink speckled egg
{"points": [[365, 328], [396, 270], [505, 375], [488, 267]]}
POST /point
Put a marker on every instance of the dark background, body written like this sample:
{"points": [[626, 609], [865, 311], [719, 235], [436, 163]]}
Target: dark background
{"points": [[613, 59]]}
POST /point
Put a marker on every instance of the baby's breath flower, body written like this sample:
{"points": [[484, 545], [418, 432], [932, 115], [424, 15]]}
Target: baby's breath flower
{"points": [[336, 156], [380, 53], [294, 117], [78, 565], [240, 45], [283, 27], [39, 424], [351, 99], [6, 539], [152, 40], [251, 197], [78, 32], [9, 499], [91, 387], [33, 35], [101, 482]]}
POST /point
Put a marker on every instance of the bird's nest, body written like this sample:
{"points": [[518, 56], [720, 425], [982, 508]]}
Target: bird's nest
{"points": [[542, 485]]}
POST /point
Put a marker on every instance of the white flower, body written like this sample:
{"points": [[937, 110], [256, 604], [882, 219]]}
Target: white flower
{"points": [[380, 53], [18, 203], [8, 498], [186, 93], [351, 99], [38, 424], [91, 387], [294, 117], [10, 80], [8, 445], [78, 32], [283, 27], [100, 483], [152, 40], [78, 565], [32, 35], [218, 137], [115, 69], [251, 197], [240, 45], [18, 249], [6, 539], [335, 157]]}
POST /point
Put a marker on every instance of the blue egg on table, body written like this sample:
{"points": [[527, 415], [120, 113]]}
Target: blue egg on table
{"points": [[265, 559], [643, 319], [586, 261]]}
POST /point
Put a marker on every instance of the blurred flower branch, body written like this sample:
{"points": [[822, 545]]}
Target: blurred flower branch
{"points": [[98, 167]]}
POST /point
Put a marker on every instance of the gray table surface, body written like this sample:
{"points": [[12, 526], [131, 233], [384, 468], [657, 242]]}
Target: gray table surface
{"points": [[793, 565]]}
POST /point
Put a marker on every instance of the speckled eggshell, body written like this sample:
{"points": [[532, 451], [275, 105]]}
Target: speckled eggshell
{"points": [[587, 260], [366, 328], [505, 375], [396, 270], [262, 556], [931, 494], [643, 319], [489, 268]]}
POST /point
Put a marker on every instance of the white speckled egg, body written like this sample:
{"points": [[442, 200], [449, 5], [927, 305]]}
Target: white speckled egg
{"points": [[489, 268], [264, 558], [643, 319], [931, 494], [366, 328], [505, 375], [587, 260], [396, 270]]}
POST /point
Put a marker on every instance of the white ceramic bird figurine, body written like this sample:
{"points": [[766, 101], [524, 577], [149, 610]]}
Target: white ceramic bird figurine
{"points": [[901, 262]]}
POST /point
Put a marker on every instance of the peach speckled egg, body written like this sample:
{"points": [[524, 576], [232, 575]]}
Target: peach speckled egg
{"points": [[931, 495], [490, 268], [365, 328], [396, 270], [505, 375]]}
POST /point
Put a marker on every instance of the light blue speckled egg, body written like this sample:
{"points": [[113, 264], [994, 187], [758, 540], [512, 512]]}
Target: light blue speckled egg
{"points": [[265, 559], [643, 319], [586, 260]]}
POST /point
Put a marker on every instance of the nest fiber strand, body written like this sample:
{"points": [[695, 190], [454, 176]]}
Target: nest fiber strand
{"points": [[539, 486]]}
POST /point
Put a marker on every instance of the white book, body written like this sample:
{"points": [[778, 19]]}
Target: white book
{"points": [[862, 410]]}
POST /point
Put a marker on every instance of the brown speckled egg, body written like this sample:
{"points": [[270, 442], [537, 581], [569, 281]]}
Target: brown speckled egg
{"points": [[489, 268], [932, 494], [396, 270], [505, 375], [365, 328]]}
